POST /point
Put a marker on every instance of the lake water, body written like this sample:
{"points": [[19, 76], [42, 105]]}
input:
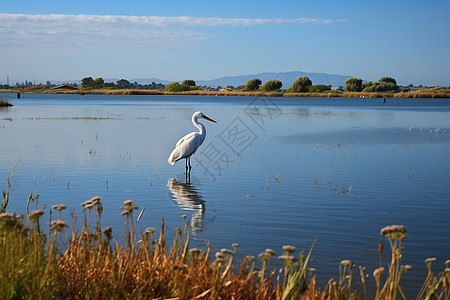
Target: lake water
{"points": [[276, 170]]}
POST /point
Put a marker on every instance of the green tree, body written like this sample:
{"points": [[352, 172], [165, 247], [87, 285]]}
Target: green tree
{"points": [[367, 84], [387, 80], [301, 85], [384, 84], [171, 85], [98, 83], [176, 87], [353, 84], [381, 87], [123, 84], [109, 85], [272, 85], [319, 88], [188, 82], [253, 84], [87, 82]]}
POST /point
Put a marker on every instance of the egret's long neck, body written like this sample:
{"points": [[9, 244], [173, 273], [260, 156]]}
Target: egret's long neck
{"points": [[200, 126]]}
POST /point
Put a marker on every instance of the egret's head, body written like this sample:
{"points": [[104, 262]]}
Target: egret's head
{"points": [[201, 115]]}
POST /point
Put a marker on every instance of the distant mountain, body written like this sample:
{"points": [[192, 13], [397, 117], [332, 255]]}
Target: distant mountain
{"points": [[287, 78], [147, 80]]}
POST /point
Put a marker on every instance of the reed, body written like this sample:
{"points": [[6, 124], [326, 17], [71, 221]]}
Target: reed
{"points": [[34, 264], [36, 88], [423, 95]]}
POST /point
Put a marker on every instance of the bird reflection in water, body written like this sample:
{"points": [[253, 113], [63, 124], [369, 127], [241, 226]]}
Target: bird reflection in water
{"points": [[187, 197]]}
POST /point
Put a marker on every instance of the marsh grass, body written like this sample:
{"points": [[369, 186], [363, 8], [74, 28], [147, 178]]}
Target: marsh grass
{"points": [[428, 93], [91, 264]]}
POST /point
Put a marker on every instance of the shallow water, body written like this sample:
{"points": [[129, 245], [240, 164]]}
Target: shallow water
{"points": [[272, 171]]}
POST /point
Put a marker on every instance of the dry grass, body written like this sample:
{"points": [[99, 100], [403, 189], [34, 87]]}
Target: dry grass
{"points": [[94, 266], [35, 88], [421, 94]]}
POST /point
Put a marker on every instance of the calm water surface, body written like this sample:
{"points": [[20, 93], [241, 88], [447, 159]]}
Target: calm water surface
{"points": [[276, 170]]}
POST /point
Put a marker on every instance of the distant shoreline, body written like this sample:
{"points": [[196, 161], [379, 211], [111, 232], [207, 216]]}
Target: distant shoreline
{"points": [[242, 93]]}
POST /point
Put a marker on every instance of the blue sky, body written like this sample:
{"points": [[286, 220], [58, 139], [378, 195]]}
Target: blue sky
{"points": [[175, 40]]}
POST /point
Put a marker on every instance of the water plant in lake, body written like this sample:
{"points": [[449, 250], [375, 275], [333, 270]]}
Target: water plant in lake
{"points": [[4, 102], [90, 264]]}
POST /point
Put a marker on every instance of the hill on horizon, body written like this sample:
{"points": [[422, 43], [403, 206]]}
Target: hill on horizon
{"points": [[287, 78]]}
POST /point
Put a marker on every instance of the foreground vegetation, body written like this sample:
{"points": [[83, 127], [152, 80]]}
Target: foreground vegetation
{"points": [[35, 264]]}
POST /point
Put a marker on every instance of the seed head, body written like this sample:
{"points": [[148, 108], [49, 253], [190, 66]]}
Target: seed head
{"points": [[251, 258], [430, 260], [7, 216], [195, 251], [378, 272], [226, 251], [407, 267], [270, 252], [394, 232], [58, 225], [150, 230], [346, 262], [96, 199], [287, 257], [59, 206], [108, 232], [128, 203], [219, 255], [289, 248], [35, 215]]}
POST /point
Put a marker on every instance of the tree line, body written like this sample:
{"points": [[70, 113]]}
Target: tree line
{"points": [[304, 85], [99, 83], [301, 85], [384, 84]]}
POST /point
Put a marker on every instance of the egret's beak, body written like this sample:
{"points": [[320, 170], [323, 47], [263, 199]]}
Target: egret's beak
{"points": [[209, 119]]}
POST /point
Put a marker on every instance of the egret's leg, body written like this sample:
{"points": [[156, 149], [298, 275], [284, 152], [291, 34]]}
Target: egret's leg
{"points": [[187, 165], [188, 177], [190, 167]]}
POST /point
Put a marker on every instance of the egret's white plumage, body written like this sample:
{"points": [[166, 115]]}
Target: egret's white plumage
{"points": [[189, 143]]}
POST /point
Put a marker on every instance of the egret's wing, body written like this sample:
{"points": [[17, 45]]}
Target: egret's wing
{"points": [[185, 147], [185, 138]]}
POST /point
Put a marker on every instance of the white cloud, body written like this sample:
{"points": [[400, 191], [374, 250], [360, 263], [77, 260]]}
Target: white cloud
{"points": [[154, 20], [57, 33]]}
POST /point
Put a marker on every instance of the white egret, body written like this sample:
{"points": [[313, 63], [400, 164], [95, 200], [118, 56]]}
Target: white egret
{"points": [[189, 143]]}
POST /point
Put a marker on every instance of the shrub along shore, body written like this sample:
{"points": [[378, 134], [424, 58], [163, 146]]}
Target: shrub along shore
{"points": [[90, 264], [422, 94]]}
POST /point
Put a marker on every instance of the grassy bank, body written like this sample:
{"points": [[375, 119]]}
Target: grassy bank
{"points": [[90, 264], [422, 94]]}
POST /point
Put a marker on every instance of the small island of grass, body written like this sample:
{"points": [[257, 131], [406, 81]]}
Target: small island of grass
{"points": [[4, 102]]}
